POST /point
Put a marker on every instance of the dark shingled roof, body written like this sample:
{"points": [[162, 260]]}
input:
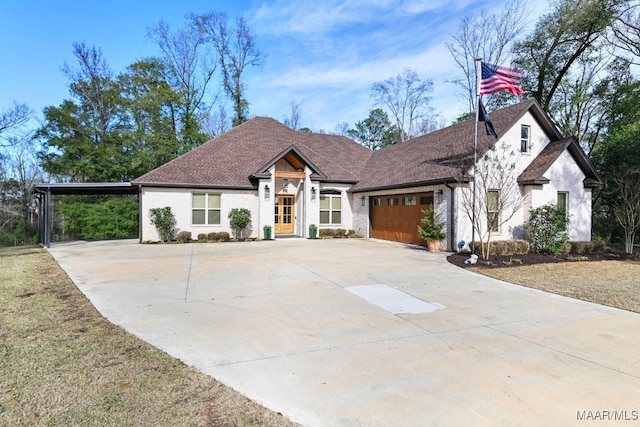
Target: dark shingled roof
{"points": [[237, 158], [533, 174], [232, 159], [438, 156]]}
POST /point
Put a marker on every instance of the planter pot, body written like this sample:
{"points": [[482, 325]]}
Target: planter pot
{"points": [[433, 245]]}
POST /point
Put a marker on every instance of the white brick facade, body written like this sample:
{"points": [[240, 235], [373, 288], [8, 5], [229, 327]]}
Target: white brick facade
{"points": [[285, 170], [180, 201]]}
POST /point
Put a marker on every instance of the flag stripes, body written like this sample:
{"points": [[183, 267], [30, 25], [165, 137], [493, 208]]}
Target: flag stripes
{"points": [[496, 78]]}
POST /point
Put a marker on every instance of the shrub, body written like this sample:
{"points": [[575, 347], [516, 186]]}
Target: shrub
{"points": [[432, 226], [547, 229], [183, 237], [522, 247], [327, 232], [507, 247], [341, 232], [164, 222], [239, 220], [213, 237], [223, 236], [592, 247], [202, 236]]}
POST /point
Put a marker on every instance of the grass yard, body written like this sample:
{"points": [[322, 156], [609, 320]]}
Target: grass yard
{"points": [[63, 364], [612, 283]]}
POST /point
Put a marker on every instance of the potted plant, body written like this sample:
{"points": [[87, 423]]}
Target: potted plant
{"points": [[432, 229], [313, 231], [267, 232]]}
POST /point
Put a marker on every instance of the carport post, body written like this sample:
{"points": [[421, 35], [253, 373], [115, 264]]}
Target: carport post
{"points": [[47, 218]]}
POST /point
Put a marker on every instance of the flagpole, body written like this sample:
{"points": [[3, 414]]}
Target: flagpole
{"points": [[475, 157]]}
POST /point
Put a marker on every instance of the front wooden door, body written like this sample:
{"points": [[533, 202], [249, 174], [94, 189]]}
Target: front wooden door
{"points": [[283, 215]]}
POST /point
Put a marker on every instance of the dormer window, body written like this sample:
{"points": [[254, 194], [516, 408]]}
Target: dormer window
{"points": [[525, 139]]}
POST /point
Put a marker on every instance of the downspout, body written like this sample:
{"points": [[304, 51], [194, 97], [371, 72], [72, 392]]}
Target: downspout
{"points": [[303, 214], [454, 219], [140, 214]]}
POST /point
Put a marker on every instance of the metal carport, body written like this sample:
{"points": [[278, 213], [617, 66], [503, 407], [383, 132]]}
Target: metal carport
{"points": [[45, 192]]}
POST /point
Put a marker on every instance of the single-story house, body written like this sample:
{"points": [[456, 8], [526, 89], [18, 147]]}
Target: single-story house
{"points": [[290, 180]]}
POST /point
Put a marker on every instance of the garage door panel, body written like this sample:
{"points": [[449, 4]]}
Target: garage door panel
{"points": [[396, 217]]}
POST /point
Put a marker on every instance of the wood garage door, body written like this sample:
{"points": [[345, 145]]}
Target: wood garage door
{"points": [[396, 217]]}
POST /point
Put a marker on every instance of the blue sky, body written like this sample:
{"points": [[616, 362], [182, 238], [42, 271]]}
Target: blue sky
{"points": [[322, 54]]}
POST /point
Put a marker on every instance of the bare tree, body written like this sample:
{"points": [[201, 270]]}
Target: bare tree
{"points": [[13, 118], [430, 123], [191, 70], [488, 36], [627, 210], [625, 34], [217, 123], [19, 173], [407, 98], [237, 50], [498, 196], [293, 121], [580, 104], [93, 84]]}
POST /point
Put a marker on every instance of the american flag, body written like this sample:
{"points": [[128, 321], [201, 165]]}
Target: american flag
{"points": [[496, 78]]}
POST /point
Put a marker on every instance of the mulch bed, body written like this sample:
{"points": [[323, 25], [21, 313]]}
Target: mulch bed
{"points": [[500, 261]]}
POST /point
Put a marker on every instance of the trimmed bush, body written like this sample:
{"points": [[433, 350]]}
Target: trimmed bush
{"points": [[507, 247], [592, 247], [327, 232], [341, 232], [223, 236], [183, 237], [202, 236], [213, 237]]}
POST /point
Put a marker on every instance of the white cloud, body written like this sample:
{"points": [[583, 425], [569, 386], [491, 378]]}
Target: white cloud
{"points": [[313, 17], [328, 54]]}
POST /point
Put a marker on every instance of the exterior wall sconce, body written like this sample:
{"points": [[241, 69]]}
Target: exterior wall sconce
{"points": [[362, 200], [313, 193], [267, 192], [285, 185], [439, 196]]}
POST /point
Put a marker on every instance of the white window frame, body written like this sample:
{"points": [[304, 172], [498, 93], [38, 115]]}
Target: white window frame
{"points": [[525, 142], [208, 207], [332, 208]]}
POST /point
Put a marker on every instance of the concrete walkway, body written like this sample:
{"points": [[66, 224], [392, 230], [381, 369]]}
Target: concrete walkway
{"points": [[299, 327]]}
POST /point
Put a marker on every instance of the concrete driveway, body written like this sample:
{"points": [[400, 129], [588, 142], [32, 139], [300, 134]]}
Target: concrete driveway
{"points": [[367, 333]]}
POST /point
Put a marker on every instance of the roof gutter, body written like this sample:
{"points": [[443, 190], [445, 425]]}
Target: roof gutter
{"points": [[443, 181], [184, 185], [454, 219]]}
